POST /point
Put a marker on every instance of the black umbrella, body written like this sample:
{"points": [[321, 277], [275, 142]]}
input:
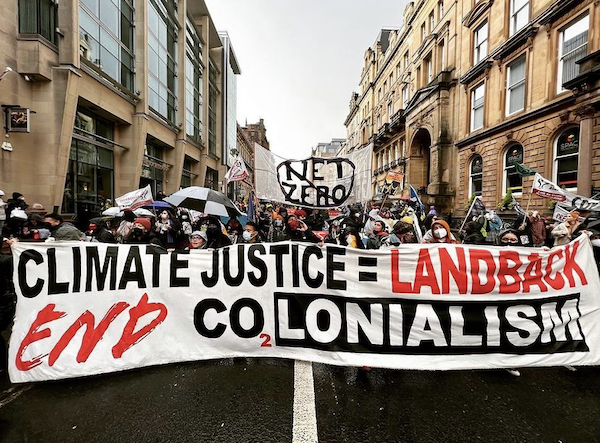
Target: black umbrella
{"points": [[205, 200]]}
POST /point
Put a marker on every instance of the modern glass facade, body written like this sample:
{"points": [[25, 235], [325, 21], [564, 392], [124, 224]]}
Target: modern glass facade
{"points": [[90, 177], [193, 83], [162, 56], [106, 38]]}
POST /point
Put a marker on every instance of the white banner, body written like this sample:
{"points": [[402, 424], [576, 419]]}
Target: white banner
{"points": [[238, 171], [135, 199], [316, 182], [363, 186], [561, 213], [547, 189], [88, 309]]}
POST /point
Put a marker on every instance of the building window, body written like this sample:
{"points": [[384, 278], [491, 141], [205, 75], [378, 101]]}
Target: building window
{"points": [[431, 21], [440, 9], [519, 15], [477, 106], [90, 177], [429, 68], [391, 79], [390, 111], [406, 61], [38, 17], [476, 176], [404, 97], [162, 56], [106, 38], [515, 86], [384, 87], [398, 71], [193, 83], [480, 40], [442, 55], [512, 180], [419, 79], [566, 158], [379, 95], [154, 168], [213, 92], [211, 181], [572, 45], [186, 173], [423, 32]]}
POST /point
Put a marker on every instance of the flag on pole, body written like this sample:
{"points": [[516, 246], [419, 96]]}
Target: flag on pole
{"points": [[517, 207], [135, 199], [523, 170], [238, 171], [414, 196]]}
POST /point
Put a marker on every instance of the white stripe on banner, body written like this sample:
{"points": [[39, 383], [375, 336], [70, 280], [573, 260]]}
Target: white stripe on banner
{"points": [[305, 416]]}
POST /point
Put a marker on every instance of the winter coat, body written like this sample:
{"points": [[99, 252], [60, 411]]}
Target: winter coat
{"points": [[376, 241], [66, 231], [7, 291]]}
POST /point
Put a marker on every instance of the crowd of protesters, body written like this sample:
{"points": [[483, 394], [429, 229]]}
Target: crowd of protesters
{"points": [[358, 226]]}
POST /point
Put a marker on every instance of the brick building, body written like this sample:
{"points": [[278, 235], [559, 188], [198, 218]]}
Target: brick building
{"points": [[466, 88], [125, 95]]}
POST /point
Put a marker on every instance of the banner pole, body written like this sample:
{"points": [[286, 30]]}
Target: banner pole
{"points": [[467, 214], [527, 207]]}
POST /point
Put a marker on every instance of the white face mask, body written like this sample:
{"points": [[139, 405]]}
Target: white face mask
{"points": [[596, 242], [247, 235], [440, 233]]}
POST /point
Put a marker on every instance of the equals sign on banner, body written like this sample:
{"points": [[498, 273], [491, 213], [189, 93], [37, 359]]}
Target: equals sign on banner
{"points": [[367, 262]]}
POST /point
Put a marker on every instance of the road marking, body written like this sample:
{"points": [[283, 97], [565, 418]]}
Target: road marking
{"points": [[12, 394], [304, 429]]}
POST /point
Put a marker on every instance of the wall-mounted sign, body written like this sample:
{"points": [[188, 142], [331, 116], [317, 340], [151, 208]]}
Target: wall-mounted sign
{"points": [[17, 119]]}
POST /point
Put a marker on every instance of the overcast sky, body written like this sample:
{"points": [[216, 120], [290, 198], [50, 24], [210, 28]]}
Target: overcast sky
{"points": [[300, 61]]}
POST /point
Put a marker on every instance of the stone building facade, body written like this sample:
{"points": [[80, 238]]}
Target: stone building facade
{"points": [[246, 150], [257, 133], [466, 88], [125, 94]]}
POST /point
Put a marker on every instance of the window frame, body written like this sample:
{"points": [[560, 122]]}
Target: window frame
{"points": [[473, 109], [556, 158], [477, 45], [510, 88], [472, 175], [514, 14], [52, 35], [506, 168], [561, 56]]}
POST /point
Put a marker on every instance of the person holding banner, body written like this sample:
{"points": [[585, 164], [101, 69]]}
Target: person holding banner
{"points": [[563, 232], [440, 233], [251, 233], [379, 237], [7, 300], [197, 240]]}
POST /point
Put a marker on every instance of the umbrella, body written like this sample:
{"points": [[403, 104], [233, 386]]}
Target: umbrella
{"points": [[115, 211], [205, 200], [159, 204]]}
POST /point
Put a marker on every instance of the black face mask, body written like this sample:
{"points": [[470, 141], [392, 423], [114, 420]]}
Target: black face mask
{"points": [[138, 232]]}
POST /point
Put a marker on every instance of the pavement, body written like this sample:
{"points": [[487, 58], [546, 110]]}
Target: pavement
{"points": [[271, 400]]}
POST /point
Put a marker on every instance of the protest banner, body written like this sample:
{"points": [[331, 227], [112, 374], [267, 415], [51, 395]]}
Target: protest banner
{"points": [[87, 309], [135, 199], [547, 189], [238, 171], [562, 212], [315, 182]]}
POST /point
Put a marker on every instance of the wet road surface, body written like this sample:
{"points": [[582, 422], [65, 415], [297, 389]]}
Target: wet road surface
{"points": [[252, 400]]}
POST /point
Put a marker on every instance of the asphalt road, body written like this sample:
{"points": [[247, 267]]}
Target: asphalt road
{"points": [[252, 400]]}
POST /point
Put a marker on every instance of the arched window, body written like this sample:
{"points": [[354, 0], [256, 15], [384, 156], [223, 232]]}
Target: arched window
{"points": [[566, 157], [512, 180], [476, 176]]}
